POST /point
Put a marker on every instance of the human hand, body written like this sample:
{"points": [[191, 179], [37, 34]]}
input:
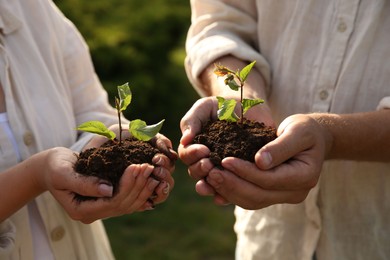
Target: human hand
{"points": [[284, 171], [196, 155], [164, 162], [135, 189]]}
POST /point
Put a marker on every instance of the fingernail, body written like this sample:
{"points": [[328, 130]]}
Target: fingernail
{"points": [[148, 171], [153, 183], [266, 158], [184, 134], [166, 189], [105, 189], [160, 173], [158, 160]]}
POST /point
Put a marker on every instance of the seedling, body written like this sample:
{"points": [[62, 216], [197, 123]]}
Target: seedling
{"points": [[137, 128], [236, 81]]}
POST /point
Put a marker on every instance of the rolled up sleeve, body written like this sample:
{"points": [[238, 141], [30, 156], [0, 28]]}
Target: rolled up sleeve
{"points": [[384, 103]]}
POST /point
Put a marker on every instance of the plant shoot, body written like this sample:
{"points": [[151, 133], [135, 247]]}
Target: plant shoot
{"points": [[138, 128], [235, 80]]}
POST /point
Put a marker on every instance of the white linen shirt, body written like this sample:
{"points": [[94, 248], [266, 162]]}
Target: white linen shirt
{"points": [[50, 87], [316, 56]]}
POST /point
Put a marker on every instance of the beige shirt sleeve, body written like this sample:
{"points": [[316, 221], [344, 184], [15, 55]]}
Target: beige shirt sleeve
{"points": [[384, 103]]}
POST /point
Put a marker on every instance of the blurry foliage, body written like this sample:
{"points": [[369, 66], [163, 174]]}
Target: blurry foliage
{"points": [[140, 42]]}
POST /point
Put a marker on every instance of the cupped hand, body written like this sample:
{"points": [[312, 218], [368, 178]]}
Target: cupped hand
{"points": [[195, 156], [285, 170], [164, 162], [135, 189]]}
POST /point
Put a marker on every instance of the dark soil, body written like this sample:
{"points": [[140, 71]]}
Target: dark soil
{"points": [[109, 161], [234, 139]]}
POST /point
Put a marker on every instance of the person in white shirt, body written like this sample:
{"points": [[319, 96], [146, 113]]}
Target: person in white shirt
{"points": [[48, 87], [321, 189]]}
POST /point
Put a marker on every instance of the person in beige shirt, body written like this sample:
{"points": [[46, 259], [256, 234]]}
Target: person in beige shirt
{"points": [[48, 87], [321, 189]]}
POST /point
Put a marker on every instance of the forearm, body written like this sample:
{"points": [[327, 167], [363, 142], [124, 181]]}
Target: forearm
{"points": [[360, 136], [19, 185]]}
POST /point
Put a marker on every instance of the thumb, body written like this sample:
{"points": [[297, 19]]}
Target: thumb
{"points": [[92, 187], [285, 146]]}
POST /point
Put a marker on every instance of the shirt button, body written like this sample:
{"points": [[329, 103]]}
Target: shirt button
{"points": [[324, 94], [57, 233], [28, 138], [342, 27]]}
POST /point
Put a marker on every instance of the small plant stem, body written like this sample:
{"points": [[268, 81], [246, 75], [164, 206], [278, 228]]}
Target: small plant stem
{"points": [[120, 127], [242, 105], [119, 120]]}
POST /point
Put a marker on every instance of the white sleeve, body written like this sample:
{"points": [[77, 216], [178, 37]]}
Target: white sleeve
{"points": [[384, 103]]}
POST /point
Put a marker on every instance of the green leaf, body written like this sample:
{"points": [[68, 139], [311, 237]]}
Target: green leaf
{"points": [[245, 71], [125, 96], [143, 132], [96, 127], [231, 83], [226, 109], [249, 103]]}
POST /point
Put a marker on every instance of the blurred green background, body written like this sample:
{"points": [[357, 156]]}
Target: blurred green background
{"points": [[142, 42]]}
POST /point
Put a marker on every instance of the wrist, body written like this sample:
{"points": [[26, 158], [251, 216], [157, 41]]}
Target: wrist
{"points": [[326, 122], [37, 166]]}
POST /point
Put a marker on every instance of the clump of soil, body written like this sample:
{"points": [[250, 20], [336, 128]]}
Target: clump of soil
{"points": [[234, 139], [109, 161]]}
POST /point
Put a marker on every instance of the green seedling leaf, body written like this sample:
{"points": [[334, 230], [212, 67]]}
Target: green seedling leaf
{"points": [[231, 83], [245, 71], [143, 132], [97, 127], [249, 103], [226, 109], [125, 96]]}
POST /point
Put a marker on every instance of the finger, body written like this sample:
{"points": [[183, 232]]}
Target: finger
{"points": [[88, 186], [132, 182], [164, 145], [162, 161], [202, 111], [193, 153], [96, 141], [247, 195], [144, 197], [292, 139], [162, 192], [292, 175], [92, 187], [200, 169], [142, 190], [204, 189], [220, 201]]}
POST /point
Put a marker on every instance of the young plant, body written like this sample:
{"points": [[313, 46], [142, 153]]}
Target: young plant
{"points": [[137, 128], [236, 81]]}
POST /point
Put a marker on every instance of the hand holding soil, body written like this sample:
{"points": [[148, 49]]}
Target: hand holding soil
{"points": [[233, 135], [108, 157]]}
